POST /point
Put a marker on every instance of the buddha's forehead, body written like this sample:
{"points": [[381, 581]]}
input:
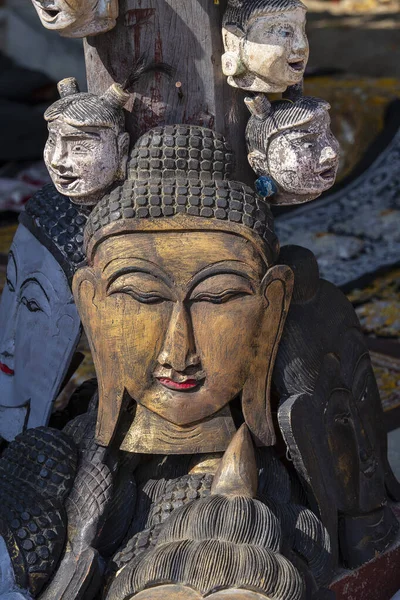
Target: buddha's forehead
{"points": [[180, 254]]}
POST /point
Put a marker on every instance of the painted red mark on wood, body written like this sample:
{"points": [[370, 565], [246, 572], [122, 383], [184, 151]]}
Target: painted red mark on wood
{"points": [[136, 18]]}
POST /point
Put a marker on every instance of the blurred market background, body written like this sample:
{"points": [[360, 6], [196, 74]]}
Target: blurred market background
{"points": [[354, 64]]}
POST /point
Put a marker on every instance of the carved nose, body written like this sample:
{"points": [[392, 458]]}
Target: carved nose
{"points": [[58, 160], [7, 344], [328, 153], [179, 350], [300, 44]]}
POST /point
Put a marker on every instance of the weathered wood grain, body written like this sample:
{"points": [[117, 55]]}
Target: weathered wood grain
{"points": [[187, 35]]}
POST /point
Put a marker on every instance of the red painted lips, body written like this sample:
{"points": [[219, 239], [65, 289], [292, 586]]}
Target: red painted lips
{"points": [[5, 369], [189, 384]]}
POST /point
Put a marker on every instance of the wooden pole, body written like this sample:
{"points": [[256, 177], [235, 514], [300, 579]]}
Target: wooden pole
{"points": [[187, 35]]}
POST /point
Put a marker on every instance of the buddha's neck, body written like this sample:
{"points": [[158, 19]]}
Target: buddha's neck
{"points": [[151, 434]]}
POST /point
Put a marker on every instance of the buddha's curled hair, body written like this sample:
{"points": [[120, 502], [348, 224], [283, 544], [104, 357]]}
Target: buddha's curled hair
{"points": [[236, 519], [211, 565], [215, 543]]}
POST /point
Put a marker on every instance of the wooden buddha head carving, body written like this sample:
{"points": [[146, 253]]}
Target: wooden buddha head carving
{"points": [[266, 47], [183, 304], [77, 18], [291, 145], [39, 323], [87, 148], [325, 378]]}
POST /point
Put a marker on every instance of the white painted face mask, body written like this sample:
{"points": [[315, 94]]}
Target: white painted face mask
{"points": [[77, 18], [39, 331]]}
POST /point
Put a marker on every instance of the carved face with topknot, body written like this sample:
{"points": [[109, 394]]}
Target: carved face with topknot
{"points": [[181, 275], [266, 47], [292, 143], [87, 148], [77, 18]]}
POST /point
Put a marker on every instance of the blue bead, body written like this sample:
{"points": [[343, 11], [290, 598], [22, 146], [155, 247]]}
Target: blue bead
{"points": [[266, 186]]}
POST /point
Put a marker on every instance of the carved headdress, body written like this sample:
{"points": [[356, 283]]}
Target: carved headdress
{"points": [[89, 110], [240, 13], [161, 184], [269, 119], [58, 225]]}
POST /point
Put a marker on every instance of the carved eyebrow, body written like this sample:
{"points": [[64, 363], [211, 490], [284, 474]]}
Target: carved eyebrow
{"points": [[225, 267], [306, 134], [12, 256], [141, 266], [82, 135], [35, 282]]}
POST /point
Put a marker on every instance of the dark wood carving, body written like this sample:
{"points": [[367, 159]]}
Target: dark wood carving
{"points": [[205, 531], [331, 415]]}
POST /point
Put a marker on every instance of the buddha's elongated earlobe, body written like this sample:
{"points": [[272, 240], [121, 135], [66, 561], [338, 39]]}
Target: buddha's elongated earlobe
{"points": [[277, 286], [111, 390], [237, 473]]}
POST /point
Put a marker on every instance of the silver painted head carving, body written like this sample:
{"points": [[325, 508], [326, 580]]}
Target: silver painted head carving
{"points": [[87, 148], [39, 323], [77, 18], [291, 143], [266, 47]]}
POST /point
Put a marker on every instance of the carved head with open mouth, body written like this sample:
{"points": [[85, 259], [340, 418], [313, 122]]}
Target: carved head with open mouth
{"points": [[266, 47], [87, 148], [184, 305], [291, 143], [77, 18]]}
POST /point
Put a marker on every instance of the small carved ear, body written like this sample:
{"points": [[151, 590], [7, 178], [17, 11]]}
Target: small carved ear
{"points": [[279, 276], [83, 288], [237, 473], [258, 162], [123, 151], [232, 40]]}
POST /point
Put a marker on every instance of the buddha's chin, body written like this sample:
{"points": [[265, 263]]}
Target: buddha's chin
{"points": [[183, 407]]}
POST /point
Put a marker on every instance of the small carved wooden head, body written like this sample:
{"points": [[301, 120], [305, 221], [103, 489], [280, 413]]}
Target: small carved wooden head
{"points": [[77, 18], [292, 143], [266, 47], [183, 305], [87, 148]]}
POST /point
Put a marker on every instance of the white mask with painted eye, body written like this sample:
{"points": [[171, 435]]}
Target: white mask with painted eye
{"points": [[77, 18], [39, 331]]}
